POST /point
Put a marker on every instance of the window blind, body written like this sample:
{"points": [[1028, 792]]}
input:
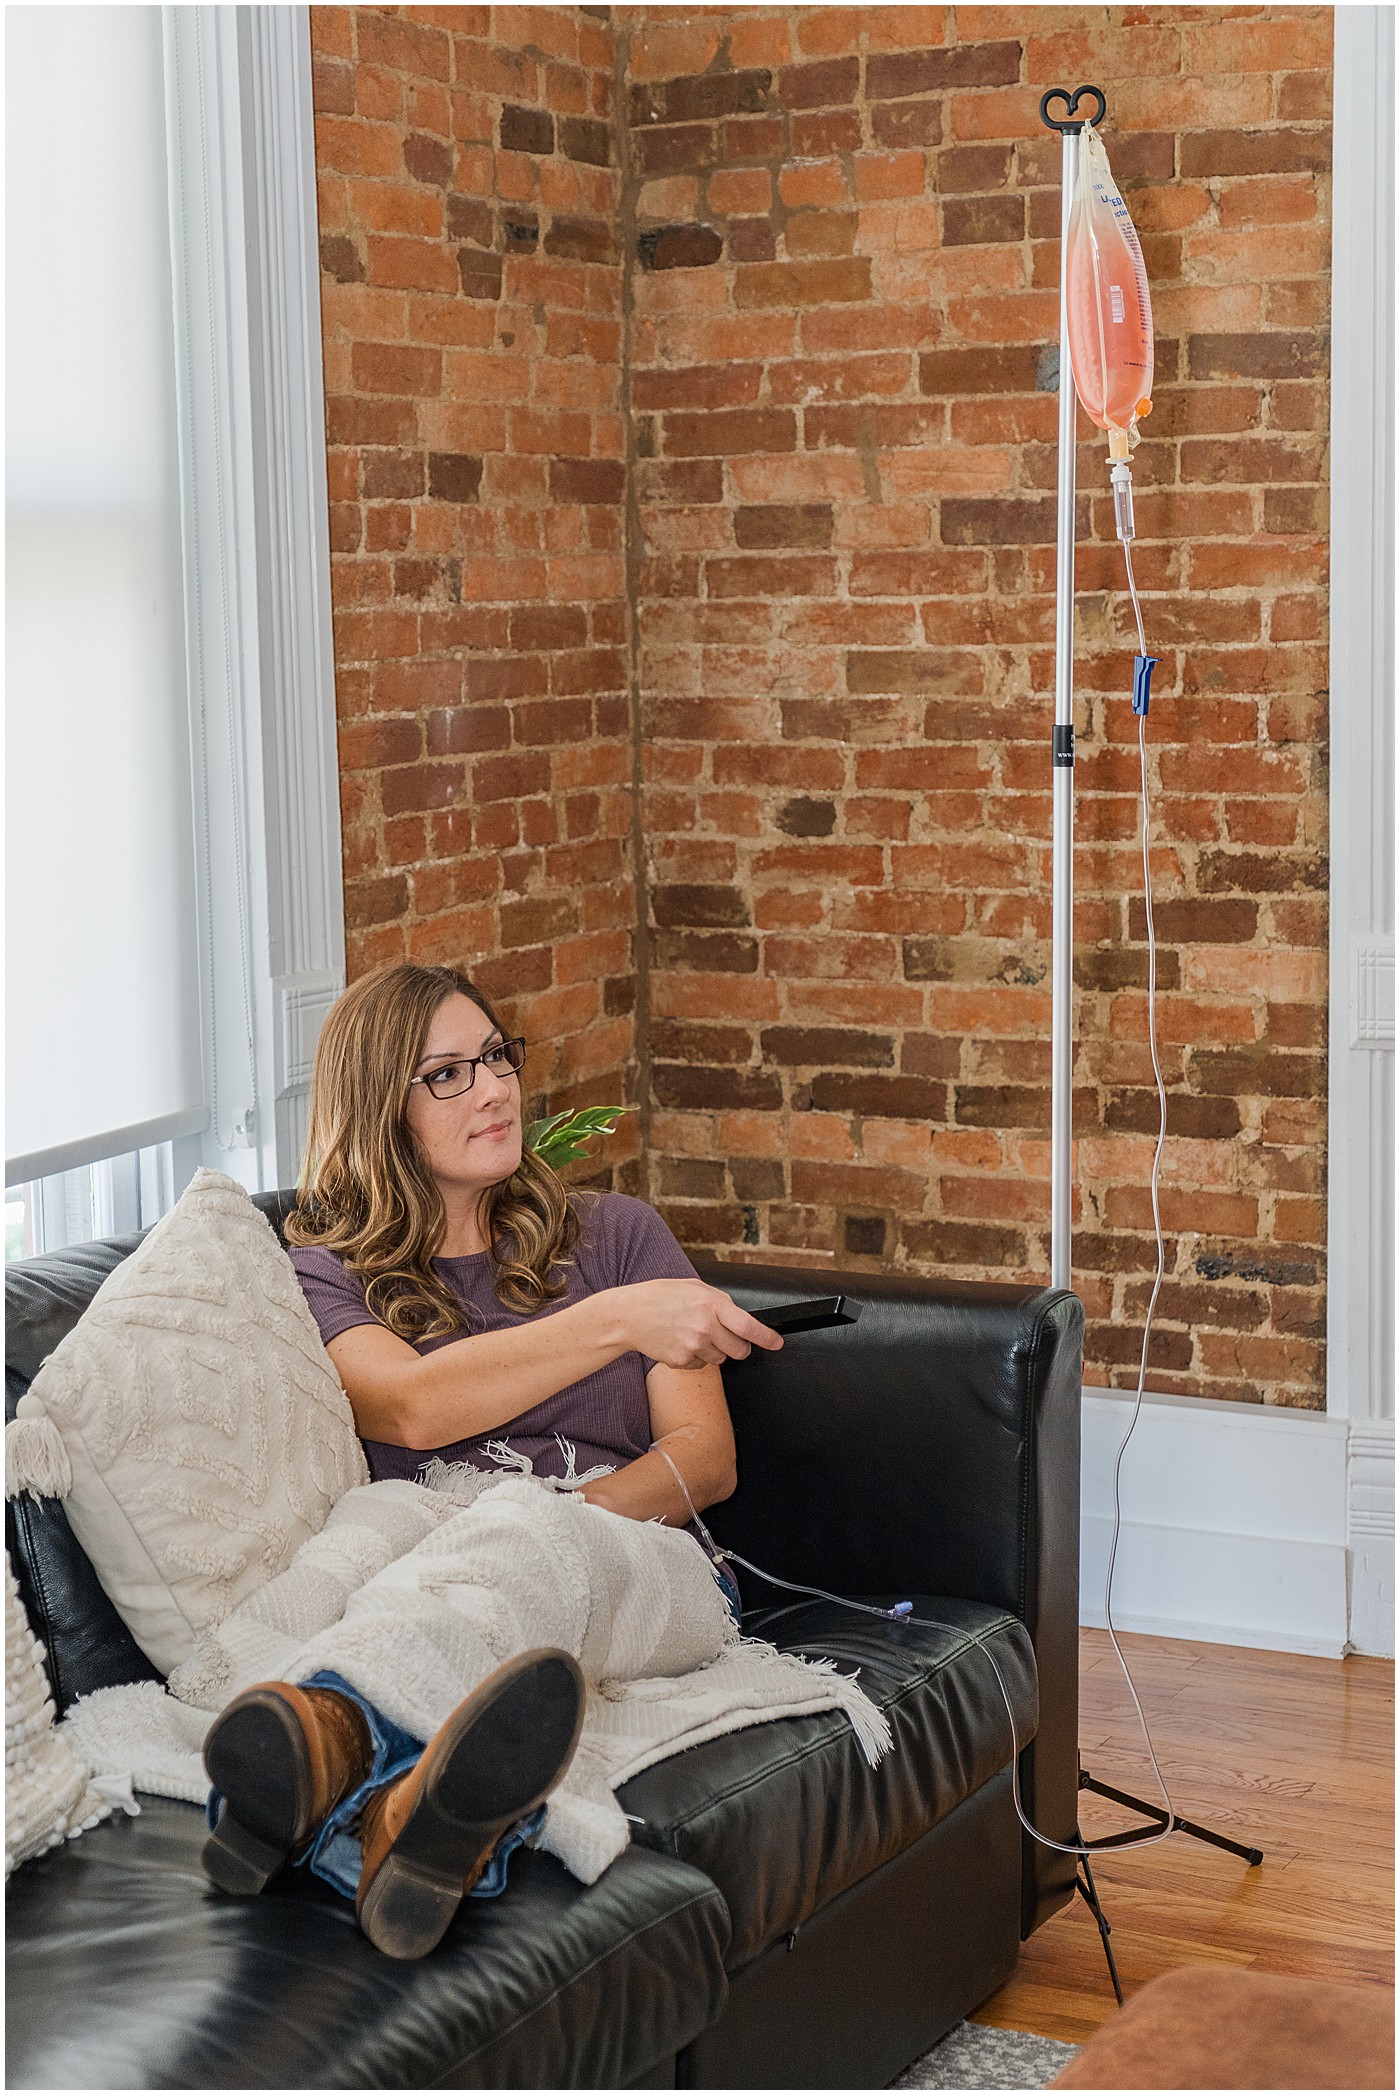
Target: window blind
{"points": [[103, 980]]}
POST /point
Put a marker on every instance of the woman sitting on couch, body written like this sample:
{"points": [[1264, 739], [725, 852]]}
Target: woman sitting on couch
{"points": [[594, 1358]]}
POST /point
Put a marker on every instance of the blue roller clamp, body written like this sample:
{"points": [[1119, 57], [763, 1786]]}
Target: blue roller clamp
{"points": [[1143, 666]]}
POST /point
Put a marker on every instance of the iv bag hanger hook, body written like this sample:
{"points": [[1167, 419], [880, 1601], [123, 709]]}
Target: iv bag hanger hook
{"points": [[1070, 124]]}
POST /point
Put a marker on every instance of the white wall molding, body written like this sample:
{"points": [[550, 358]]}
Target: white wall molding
{"points": [[1371, 1535], [243, 209], [1361, 1060], [1234, 1522], [1372, 992]]}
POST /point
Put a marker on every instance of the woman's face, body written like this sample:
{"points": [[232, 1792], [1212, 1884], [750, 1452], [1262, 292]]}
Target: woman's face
{"points": [[470, 1142]]}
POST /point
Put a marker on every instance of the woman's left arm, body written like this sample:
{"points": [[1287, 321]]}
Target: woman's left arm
{"points": [[690, 1420]]}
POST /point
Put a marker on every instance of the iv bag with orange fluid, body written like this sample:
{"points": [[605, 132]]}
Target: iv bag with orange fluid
{"points": [[1109, 306]]}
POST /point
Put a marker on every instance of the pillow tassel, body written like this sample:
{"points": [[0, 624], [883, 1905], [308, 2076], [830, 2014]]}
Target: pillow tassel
{"points": [[36, 1459]]}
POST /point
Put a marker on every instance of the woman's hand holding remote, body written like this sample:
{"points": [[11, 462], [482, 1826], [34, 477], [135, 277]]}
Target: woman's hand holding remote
{"points": [[685, 1324]]}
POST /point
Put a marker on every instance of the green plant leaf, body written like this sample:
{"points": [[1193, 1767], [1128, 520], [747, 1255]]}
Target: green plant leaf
{"points": [[540, 1131], [565, 1138]]}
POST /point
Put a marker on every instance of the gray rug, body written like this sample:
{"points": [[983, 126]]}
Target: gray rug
{"points": [[973, 2056]]}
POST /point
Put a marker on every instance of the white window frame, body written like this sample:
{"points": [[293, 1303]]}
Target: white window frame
{"points": [[261, 673]]}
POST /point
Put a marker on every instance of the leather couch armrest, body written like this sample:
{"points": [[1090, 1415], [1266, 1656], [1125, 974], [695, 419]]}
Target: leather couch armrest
{"points": [[933, 1447]]}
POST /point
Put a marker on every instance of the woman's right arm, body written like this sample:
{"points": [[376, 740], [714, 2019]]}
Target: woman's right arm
{"points": [[479, 1383]]}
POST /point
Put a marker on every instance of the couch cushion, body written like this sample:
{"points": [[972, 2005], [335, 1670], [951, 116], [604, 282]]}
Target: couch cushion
{"points": [[128, 1970], [785, 1816]]}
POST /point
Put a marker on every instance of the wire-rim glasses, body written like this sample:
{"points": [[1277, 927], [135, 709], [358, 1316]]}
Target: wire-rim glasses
{"points": [[451, 1079]]}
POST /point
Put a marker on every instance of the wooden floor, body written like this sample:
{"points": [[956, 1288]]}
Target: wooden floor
{"points": [[1291, 1755]]}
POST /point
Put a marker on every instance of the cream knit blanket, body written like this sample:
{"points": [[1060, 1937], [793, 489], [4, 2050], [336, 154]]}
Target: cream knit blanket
{"points": [[414, 1595]]}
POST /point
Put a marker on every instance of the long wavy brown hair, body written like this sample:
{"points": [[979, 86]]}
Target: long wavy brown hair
{"points": [[366, 1193]]}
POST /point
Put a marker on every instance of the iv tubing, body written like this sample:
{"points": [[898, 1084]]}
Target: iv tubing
{"points": [[1142, 650], [902, 1610], [1124, 515], [817, 1592], [1156, 1176]]}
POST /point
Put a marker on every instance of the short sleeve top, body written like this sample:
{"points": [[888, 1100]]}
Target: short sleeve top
{"points": [[605, 1417]]}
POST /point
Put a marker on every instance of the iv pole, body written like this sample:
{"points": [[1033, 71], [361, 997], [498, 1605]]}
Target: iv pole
{"points": [[1062, 747], [1069, 127]]}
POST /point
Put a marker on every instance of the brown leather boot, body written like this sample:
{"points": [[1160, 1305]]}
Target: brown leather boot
{"points": [[427, 1837], [282, 1758]]}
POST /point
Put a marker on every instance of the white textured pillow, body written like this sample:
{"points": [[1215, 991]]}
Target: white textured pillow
{"points": [[192, 1420], [47, 1794]]}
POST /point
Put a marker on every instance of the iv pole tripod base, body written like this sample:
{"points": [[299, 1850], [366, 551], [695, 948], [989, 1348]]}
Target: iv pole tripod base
{"points": [[1154, 1812], [1089, 1891], [1084, 1876]]}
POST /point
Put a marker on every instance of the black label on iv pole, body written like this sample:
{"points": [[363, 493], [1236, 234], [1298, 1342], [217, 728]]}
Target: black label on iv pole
{"points": [[1062, 748]]}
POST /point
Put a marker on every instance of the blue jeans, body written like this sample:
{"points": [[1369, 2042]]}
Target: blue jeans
{"points": [[334, 1854]]}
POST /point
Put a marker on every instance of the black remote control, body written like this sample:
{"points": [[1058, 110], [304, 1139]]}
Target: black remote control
{"points": [[809, 1316]]}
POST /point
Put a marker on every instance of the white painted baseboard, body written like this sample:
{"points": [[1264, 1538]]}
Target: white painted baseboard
{"points": [[1235, 1525]]}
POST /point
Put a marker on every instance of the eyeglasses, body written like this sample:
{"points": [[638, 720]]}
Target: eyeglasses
{"points": [[450, 1079]]}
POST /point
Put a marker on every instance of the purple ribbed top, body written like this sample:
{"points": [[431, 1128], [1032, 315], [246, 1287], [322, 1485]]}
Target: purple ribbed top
{"points": [[606, 1416]]}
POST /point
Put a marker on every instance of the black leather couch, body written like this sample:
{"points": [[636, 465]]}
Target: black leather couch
{"points": [[785, 1916]]}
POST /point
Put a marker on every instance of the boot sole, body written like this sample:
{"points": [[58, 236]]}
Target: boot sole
{"points": [[495, 1759], [257, 1759]]}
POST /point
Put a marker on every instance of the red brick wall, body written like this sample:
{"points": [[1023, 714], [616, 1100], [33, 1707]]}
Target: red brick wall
{"points": [[846, 438], [472, 287], [718, 433]]}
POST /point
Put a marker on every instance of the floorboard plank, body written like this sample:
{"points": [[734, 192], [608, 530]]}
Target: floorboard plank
{"points": [[1293, 1755]]}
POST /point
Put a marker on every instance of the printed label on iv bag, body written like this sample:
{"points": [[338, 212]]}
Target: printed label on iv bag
{"points": [[1109, 305]]}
